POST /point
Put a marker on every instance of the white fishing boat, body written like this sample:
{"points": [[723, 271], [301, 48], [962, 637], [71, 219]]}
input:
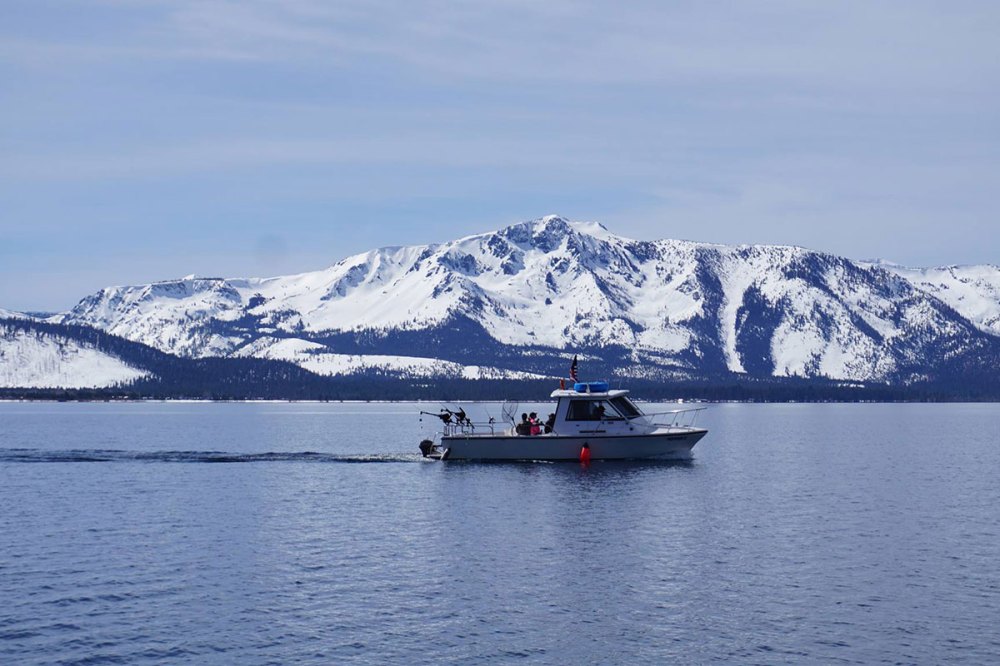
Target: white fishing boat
{"points": [[590, 422]]}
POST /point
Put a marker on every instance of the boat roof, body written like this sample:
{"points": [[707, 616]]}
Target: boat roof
{"points": [[603, 395]]}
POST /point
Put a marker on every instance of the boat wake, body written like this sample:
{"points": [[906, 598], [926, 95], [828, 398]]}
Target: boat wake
{"points": [[114, 455]]}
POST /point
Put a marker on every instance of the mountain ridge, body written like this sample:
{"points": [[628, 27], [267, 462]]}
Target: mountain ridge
{"points": [[522, 298]]}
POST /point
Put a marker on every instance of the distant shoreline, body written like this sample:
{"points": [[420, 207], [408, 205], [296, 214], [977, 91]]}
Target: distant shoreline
{"points": [[474, 401]]}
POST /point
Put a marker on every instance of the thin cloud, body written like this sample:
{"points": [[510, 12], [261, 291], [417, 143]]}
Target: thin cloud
{"points": [[812, 123], [894, 45]]}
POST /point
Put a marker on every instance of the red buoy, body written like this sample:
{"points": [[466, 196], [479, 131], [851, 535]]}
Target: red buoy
{"points": [[585, 454]]}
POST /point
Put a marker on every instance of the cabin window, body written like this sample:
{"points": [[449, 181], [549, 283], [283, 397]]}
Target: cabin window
{"points": [[589, 410], [625, 407]]}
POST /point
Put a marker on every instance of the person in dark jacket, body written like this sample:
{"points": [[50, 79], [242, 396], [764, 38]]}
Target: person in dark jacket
{"points": [[550, 423], [524, 427]]}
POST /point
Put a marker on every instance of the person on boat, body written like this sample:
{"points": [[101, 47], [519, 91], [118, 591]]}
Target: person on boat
{"points": [[599, 412], [536, 425], [550, 423], [524, 427]]}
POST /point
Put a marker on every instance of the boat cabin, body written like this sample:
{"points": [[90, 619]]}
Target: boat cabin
{"points": [[592, 408]]}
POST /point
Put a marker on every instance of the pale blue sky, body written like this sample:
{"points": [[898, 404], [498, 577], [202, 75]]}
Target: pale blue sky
{"points": [[146, 139]]}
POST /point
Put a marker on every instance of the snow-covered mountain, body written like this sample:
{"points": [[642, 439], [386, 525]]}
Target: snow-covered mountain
{"points": [[10, 314], [973, 291], [525, 298], [45, 359], [32, 360]]}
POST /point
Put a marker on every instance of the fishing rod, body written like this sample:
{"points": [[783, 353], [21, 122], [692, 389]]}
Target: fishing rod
{"points": [[446, 415]]}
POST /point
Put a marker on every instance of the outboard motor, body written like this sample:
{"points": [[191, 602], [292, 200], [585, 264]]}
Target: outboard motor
{"points": [[426, 447]]}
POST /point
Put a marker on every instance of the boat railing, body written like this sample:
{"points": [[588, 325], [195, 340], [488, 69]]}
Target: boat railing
{"points": [[467, 427], [675, 418]]}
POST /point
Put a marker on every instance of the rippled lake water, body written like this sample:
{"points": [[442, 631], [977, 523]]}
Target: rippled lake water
{"points": [[314, 533]]}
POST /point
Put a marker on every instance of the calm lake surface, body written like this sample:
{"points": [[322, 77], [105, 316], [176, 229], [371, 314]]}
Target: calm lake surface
{"points": [[314, 533]]}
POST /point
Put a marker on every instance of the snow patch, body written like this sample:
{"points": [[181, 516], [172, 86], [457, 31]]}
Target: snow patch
{"points": [[973, 291], [10, 314], [38, 361], [317, 358]]}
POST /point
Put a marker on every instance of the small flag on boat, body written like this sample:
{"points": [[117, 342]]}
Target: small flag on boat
{"points": [[572, 369]]}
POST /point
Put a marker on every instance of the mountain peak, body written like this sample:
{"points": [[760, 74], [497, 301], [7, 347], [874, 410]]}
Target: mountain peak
{"points": [[547, 233], [562, 224]]}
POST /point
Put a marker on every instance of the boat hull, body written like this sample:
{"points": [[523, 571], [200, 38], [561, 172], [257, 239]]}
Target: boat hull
{"points": [[675, 444]]}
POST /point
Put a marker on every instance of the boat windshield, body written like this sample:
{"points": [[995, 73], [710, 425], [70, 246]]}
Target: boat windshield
{"points": [[625, 407]]}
